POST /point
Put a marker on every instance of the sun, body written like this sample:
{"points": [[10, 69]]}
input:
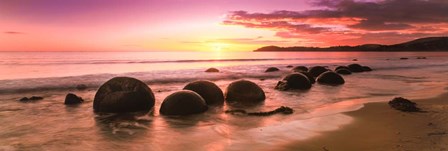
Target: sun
{"points": [[218, 47]]}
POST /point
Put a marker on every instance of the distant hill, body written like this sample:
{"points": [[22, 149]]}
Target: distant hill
{"points": [[422, 44]]}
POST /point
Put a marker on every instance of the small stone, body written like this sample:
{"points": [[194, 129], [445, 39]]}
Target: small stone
{"points": [[72, 99], [272, 69], [212, 70]]}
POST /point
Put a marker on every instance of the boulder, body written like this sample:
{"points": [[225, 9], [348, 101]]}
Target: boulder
{"points": [[272, 69], [309, 76], [317, 70], [294, 81], [81, 87], [209, 91], [330, 78], [299, 69], [403, 104], [245, 92], [123, 94], [355, 60], [289, 66], [404, 58], [212, 70], [366, 68], [343, 71], [72, 99], [183, 102], [355, 68], [341, 67]]}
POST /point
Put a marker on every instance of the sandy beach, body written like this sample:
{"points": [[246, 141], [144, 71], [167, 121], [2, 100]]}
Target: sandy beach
{"points": [[379, 127]]}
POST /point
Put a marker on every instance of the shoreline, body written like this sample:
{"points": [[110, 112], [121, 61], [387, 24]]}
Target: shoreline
{"points": [[376, 126]]}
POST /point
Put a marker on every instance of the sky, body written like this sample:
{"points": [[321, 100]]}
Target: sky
{"points": [[213, 25]]}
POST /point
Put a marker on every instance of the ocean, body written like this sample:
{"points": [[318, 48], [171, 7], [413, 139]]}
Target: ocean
{"points": [[50, 125]]}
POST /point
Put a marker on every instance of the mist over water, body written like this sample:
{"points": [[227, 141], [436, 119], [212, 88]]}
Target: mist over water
{"points": [[50, 125]]}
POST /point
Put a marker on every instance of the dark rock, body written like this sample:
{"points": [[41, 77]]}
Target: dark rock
{"points": [[294, 81], [330, 78], [24, 99], [341, 67], [300, 68], [289, 66], [246, 92], [309, 76], [404, 58], [35, 98], [317, 70], [123, 94], [355, 60], [421, 57], [81, 87], [183, 102], [209, 91], [355, 68], [72, 99], [366, 68], [212, 70], [32, 98], [343, 71], [272, 69], [404, 105]]}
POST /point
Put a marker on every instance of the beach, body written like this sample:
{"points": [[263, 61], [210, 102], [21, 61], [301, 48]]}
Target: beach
{"points": [[379, 127], [352, 116]]}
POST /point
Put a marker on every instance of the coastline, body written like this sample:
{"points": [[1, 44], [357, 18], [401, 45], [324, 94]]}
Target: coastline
{"points": [[376, 126]]}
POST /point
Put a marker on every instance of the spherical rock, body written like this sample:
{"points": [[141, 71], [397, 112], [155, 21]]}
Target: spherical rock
{"points": [[299, 69], [317, 70], [343, 71], [246, 92], [294, 81], [183, 102], [355, 68], [72, 99], [212, 70], [272, 69], [123, 94], [366, 68], [404, 105], [289, 66], [209, 91], [81, 87], [330, 78]]}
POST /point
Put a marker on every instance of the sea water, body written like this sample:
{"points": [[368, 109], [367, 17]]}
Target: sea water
{"points": [[50, 125]]}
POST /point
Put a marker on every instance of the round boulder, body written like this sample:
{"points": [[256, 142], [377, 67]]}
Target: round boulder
{"points": [[299, 69], [343, 71], [366, 68], [72, 99], [243, 91], [272, 69], [212, 70], [209, 91], [123, 94], [317, 70], [289, 66], [330, 78], [183, 102], [294, 81], [355, 68]]}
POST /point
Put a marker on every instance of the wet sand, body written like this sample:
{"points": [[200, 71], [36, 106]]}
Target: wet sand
{"points": [[379, 127]]}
